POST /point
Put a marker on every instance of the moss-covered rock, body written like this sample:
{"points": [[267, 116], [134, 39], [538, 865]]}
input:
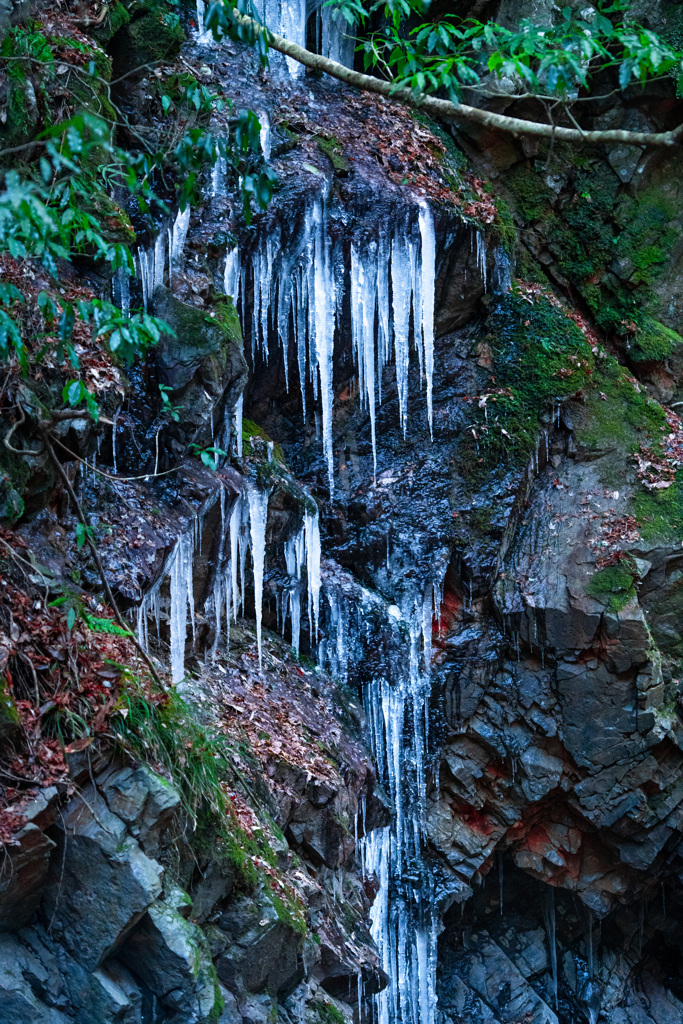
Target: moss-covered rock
{"points": [[115, 224], [539, 356], [617, 414], [653, 342], [333, 150], [615, 585], [116, 17], [149, 37], [532, 198], [202, 362]]}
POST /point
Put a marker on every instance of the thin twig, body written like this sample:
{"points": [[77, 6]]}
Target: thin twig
{"points": [[98, 562], [110, 476], [10, 447]]}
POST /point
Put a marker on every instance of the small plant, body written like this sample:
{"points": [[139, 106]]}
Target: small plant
{"points": [[209, 456], [166, 405]]}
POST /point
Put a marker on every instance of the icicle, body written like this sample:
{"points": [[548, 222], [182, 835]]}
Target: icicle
{"points": [[204, 37], [159, 259], [549, 915], [323, 330], [236, 517], [121, 291], [336, 41], [239, 414], [231, 276], [264, 134], [313, 549], [502, 272], [142, 272], [363, 298], [428, 281], [258, 515], [401, 291], [178, 237], [181, 596], [298, 288], [404, 925], [481, 256]]}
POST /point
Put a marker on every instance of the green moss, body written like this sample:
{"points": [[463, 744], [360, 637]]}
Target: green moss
{"points": [[117, 17], [506, 226], [290, 912], [653, 342], [334, 151], [648, 232], [218, 1000], [539, 355], [582, 239], [532, 198], [155, 36], [456, 159], [481, 519], [9, 716], [665, 618], [115, 224], [328, 1013], [617, 413], [615, 584], [198, 762], [529, 269], [251, 430], [660, 512], [225, 314]]}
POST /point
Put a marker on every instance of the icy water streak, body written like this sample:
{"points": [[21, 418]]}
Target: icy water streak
{"points": [[293, 288]]}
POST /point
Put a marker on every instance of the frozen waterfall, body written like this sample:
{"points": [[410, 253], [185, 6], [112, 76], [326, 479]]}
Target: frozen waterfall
{"points": [[289, 18], [403, 915]]}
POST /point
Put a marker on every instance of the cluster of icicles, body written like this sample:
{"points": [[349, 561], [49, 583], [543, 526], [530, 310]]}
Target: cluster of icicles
{"points": [[298, 290], [289, 18], [403, 917], [242, 530], [156, 265]]}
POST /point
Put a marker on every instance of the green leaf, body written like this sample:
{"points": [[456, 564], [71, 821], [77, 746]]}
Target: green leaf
{"points": [[72, 392], [70, 618], [81, 534]]}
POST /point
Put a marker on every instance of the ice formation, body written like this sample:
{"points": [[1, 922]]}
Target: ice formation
{"points": [[244, 529], [303, 549], [403, 915], [298, 287]]}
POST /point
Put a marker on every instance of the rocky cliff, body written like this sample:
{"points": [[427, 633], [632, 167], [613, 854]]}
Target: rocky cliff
{"points": [[394, 506]]}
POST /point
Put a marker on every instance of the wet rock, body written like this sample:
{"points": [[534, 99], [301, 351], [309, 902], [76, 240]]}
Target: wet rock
{"points": [[20, 973], [108, 994], [146, 801]]}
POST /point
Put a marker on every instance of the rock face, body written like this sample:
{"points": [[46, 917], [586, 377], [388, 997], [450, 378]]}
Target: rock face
{"points": [[102, 930], [541, 494]]}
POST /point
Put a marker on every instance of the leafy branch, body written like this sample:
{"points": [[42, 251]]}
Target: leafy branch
{"points": [[454, 55]]}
